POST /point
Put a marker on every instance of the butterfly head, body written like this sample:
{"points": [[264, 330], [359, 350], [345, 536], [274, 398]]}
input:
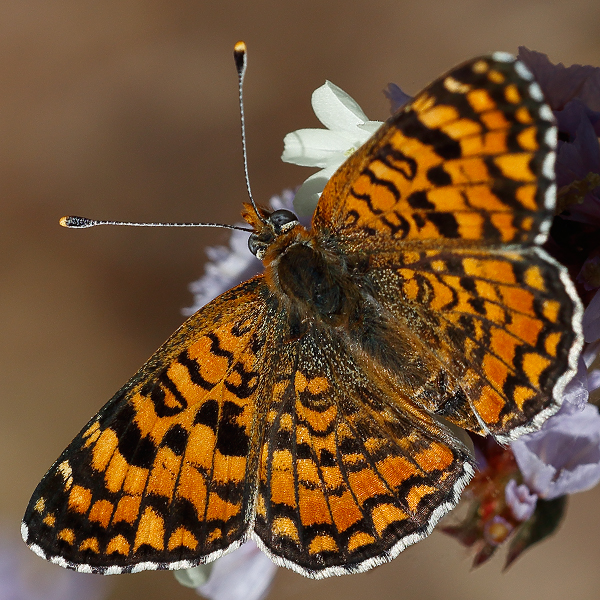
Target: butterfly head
{"points": [[267, 227]]}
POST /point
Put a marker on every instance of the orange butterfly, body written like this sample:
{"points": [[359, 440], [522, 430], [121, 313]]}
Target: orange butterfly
{"points": [[302, 408]]}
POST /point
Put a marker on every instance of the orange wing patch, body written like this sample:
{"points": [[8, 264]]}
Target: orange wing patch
{"points": [[495, 323]]}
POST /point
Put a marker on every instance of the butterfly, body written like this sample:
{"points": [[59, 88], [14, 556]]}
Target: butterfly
{"points": [[305, 407]]}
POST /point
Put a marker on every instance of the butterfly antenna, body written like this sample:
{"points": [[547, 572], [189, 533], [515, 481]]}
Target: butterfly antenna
{"points": [[240, 56], [241, 61], [73, 222]]}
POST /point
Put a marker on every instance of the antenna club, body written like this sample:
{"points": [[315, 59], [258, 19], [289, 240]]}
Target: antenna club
{"points": [[73, 222], [239, 54]]}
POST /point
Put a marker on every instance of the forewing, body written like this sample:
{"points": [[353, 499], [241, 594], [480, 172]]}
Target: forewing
{"points": [[349, 474], [505, 327], [455, 193], [163, 476], [470, 159]]}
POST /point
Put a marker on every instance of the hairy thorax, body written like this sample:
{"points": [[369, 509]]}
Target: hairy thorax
{"points": [[315, 283], [318, 287]]}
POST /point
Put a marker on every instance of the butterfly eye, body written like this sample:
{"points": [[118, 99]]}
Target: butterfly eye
{"points": [[280, 218], [256, 246]]}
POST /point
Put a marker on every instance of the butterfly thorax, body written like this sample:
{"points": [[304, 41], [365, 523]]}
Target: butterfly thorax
{"points": [[315, 286], [311, 281]]}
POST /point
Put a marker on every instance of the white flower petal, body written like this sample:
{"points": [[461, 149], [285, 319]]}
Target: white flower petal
{"points": [[370, 127], [313, 147], [307, 196], [335, 108]]}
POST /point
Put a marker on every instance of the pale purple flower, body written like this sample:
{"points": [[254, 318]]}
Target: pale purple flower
{"points": [[520, 499], [576, 393], [573, 93], [589, 274], [23, 576], [594, 380], [396, 97], [561, 84], [563, 457], [226, 266], [244, 574], [591, 319], [578, 160], [496, 530]]}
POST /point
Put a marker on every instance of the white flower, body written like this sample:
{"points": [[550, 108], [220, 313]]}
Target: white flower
{"points": [[348, 128]]}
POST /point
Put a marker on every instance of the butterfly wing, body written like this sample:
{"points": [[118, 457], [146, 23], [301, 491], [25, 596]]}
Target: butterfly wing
{"points": [[163, 476], [441, 215], [501, 328], [350, 473], [469, 160]]}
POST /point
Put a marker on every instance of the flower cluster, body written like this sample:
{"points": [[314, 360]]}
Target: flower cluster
{"points": [[519, 493]]}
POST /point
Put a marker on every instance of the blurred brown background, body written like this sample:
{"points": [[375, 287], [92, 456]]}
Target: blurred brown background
{"points": [[127, 109]]}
